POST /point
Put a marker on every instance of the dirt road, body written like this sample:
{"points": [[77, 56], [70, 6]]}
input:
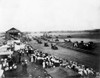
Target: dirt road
{"points": [[82, 58]]}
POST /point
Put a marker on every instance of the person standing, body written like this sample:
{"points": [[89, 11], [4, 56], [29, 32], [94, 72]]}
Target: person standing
{"points": [[1, 72], [24, 68], [44, 64]]}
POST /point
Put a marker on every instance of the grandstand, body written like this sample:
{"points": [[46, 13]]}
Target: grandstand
{"points": [[13, 34]]}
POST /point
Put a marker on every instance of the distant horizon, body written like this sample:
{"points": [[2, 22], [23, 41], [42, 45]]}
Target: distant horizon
{"points": [[53, 30]]}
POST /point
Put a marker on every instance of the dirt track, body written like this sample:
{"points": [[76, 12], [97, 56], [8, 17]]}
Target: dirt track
{"points": [[82, 58]]}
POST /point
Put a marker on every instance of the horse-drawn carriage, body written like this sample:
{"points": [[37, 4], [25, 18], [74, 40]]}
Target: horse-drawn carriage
{"points": [[39, 41], [54, 46], [46, 44]]}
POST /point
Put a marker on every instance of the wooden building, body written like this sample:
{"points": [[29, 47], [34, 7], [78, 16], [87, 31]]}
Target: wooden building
{"points": [[13, 33]]}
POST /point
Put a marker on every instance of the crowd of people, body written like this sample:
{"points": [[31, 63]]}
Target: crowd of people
{"points": [[18, 57], [45, 60]]}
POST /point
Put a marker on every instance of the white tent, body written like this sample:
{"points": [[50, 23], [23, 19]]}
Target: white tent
{"points": [[6, 53], [12, 42], [18, 47], [3, 48]]}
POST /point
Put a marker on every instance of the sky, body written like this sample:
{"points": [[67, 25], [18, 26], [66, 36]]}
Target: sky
{"points": [[49, 15]]}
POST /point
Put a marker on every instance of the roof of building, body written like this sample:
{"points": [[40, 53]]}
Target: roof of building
{"points": [[13, 30]]}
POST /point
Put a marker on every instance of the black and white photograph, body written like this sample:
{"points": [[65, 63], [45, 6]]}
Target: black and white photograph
{"points": [[49, 38]]}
